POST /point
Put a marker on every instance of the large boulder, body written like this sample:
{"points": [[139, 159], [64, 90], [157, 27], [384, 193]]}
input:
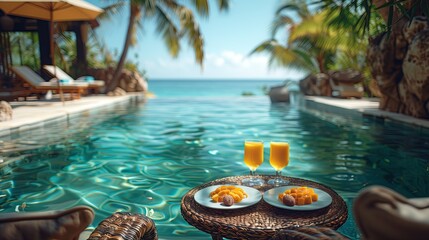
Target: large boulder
{"points": [[347, 76], [316, 85], [6, 111], [132, 82], [117, 92], [129, 81]]}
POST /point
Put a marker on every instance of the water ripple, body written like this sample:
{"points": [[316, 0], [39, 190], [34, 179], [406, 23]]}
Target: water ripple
{"points": [[144, 158]]}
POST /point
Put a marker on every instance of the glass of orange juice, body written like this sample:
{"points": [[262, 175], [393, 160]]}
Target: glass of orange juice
{"points": [[253, 157], [279, 159]]}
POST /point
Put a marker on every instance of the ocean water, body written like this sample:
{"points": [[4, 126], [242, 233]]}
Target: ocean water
{"points": [[209, 88], [143, 157]]}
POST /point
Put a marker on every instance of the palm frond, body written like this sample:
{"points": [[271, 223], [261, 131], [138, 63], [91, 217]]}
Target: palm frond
{"points": [[298, 6], [279, 22], [341, 17], [279, 55], [168, 30], [368, 12], [315, 40], [191, 30], [266, 46], [112, 10], [223, 5], [287, 7], [202, 7], [309, 26], [304, 62], [149, 7]]}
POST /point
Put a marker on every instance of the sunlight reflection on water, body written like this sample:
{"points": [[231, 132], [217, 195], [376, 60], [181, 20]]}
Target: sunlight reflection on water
{"points": [[144, 158]]}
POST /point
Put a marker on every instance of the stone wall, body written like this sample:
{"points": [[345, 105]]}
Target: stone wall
{"points": [[400, 65]]}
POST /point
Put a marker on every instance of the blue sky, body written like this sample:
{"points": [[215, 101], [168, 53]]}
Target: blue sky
{"points": [[228, 36]]}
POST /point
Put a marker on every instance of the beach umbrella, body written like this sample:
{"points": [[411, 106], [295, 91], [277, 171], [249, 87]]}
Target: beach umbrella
{"points": [[52, 11]]}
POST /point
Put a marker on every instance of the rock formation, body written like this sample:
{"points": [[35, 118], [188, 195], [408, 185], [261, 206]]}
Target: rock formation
{"points": [[130, 81], [5, 111], [316, 85], [400, 65], [326, 84]]}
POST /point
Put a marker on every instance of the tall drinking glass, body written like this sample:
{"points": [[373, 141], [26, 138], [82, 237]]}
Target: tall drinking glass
{"points": [[279, 159], [253, 157]]}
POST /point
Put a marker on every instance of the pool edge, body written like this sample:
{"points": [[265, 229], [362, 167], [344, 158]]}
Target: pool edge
{"points": [[33, 115], [362, 108]]}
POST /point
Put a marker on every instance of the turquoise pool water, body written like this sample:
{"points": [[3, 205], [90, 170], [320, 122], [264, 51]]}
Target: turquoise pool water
{"points": [[145, 157]]}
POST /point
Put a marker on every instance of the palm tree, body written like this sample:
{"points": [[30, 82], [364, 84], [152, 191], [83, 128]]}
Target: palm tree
{"points": [[312, 45], [174, 21], [293, 53]]}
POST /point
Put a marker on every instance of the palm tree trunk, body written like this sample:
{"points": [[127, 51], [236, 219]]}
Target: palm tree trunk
{"points": [[321, 63], [134, 13]]}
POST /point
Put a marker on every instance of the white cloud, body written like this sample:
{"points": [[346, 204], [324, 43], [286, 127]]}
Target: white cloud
{"points": [[232, 57], [217, 61]]}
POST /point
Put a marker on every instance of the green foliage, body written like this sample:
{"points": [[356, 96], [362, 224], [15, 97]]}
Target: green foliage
{"points": [[363, 16], [65, 50], [25, 49], [316, 41]]}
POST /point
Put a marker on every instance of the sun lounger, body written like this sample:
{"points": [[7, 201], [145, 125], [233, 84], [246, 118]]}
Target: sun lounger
{"points": [[65, 225], [36, 84], [382, 213], [14, 94], [58, 73], [70, 224]]}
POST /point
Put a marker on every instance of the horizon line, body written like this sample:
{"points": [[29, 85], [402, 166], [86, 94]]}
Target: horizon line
{"points": [[217, 79]]}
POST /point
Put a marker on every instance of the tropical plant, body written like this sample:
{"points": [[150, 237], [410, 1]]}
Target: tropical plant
{"points": [[312, 45], [25, 49], [290, 54], [369, 12], [98, 54], [174, 22], [65, 50]]}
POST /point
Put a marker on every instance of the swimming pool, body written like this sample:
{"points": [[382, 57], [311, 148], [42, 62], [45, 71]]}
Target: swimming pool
{"points": [[145, 157]]}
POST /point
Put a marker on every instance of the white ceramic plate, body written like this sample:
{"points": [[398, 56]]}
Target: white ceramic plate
{"points": [[271, 197], [203, 197]]}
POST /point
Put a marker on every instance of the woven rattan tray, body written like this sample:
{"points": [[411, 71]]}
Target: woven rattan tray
{"points": [[260, 221]]}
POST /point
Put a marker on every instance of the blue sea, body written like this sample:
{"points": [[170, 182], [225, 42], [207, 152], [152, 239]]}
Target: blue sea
{"points": [[209, 88]]}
